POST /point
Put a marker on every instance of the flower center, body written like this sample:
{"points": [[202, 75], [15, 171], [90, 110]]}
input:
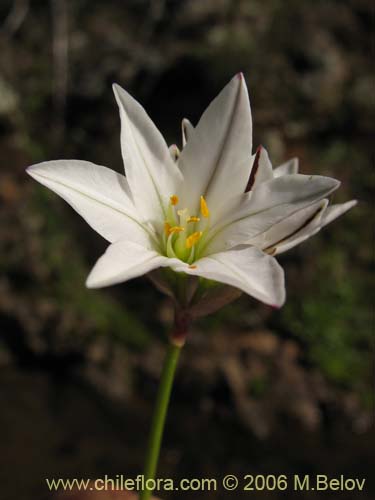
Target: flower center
{"points": [[183, 232]]}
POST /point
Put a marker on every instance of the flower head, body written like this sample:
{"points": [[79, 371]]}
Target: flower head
{"points": [[212, 210]]}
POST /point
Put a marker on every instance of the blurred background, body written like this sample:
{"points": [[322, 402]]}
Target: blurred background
{"points": [[257, 391]]}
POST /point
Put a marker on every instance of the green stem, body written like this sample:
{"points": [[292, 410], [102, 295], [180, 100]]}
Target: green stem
{"points": [[160, 413]]}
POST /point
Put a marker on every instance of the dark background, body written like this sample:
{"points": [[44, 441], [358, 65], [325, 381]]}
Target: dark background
{"points": [[257, 390]]}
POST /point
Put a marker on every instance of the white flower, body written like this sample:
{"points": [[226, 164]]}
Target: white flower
{"points": [[212, 210]]}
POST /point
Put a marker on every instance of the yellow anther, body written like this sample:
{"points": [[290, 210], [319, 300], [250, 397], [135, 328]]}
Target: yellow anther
{"points": [[204, 208], [176, 229], [192, 267], [193, 219], [174, 199], [193, 238]]}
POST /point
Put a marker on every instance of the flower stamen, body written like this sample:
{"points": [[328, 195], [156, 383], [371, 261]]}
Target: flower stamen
{"points": [[174, 200], [204, 208], [193, 239], [192, 218], [181, 239], [175, 229]]}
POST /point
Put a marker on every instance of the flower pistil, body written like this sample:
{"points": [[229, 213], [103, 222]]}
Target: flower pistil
{"points": [[181, 234]]}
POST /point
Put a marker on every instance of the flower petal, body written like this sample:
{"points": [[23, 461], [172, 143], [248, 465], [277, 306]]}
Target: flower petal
{"points": [[288, 168], [152, 174], [268, 205], [261, 170], [123, 261], [334, 211], [187, 131], [323, 218], [292, 230], [213, 160], [100, 195], [246, 268], [313, 224]]}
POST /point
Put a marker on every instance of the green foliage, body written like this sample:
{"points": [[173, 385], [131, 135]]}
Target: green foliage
{"points": [[333, 319]]}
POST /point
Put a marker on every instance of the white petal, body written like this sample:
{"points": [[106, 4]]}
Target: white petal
{"points": [[287, 168], [334, 211], [246, 268], [215, 160], [321, 218], [152, 174], [268, 205], [297, 239], [123, 261], [292, 230], [261, 170], [187, 131], [100, 195]]}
